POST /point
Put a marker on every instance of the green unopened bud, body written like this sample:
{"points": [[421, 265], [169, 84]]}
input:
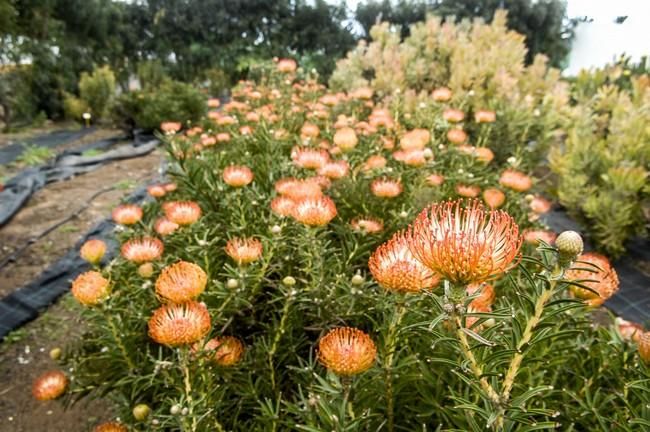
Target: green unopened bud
{"points": [[175, 409], [569, 244], [276, 229], [357, 280], [232, 283], [146, 270], [55, 353], [289, 281], [141, 412]]}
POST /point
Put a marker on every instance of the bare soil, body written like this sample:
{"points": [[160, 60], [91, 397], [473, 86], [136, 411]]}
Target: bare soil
{"points": [[24, 354]]}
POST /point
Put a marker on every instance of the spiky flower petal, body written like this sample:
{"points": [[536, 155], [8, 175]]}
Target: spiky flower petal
{"points": [[346, 351], [179, 324], [464, 245], [181, 282]]}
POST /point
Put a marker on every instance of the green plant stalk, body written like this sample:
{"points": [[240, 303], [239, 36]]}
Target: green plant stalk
{"points": [[185, 359], [391, 343], [347, 388], [527, 335], [277, 337], [118, 340], [477, 370]]}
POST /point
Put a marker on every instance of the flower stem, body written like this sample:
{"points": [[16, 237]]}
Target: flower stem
{"points": [[477, 369], [391, 344], [118, 340], [184, 355], [278, 336]]}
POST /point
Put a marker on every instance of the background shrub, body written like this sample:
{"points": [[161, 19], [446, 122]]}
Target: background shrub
{"points": [[97, 90]]}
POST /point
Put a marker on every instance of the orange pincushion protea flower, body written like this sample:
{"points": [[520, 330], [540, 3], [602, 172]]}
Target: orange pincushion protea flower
{"points": [[298, 189], [468, 191], [314, 211], [386, 188], [50, 385], [282, 206], [485, 116], [515, 180], [90, 288], [127, 214], [345, 138], [309, 158], [309, 130], [415, 139], [435, 179], [644, 347], [441, 94], [142, 250], [237, 176], [110, 427], [179, 324], [93, 251], [156, 191], [596, 273], [534, 237], [346, 351], [164, 226], [453, 115], [182, 212], [456, 136], [225, 351], [629, 330], [464, 245], [494, 198], [367, 225], [396, 269], [374, 162], [244, 250], [181, 282], [335, 170], [540, 205], [170, 127], [485, 296], [287, 66]]}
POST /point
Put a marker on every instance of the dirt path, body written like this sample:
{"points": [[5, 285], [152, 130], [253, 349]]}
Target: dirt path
{"points": [[24, 354]]}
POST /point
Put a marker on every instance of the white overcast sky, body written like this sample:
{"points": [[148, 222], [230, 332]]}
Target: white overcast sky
{"points": [[599, 41]]}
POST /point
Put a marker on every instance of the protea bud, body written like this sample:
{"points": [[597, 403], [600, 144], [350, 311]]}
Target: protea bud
{"points": [[50, 385], [55, 353], [141, 412], [570, 245], [93, 251]]}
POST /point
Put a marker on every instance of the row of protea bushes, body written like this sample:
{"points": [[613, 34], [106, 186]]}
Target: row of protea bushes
{"points": [[314, 264]]}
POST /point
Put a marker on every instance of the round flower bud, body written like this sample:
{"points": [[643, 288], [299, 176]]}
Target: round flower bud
{"points": [[145, 270], [357, 280], [276, 229], [289, 281], [175, 409], [55, 353], [569, 244], [141, 412], [232, 283], [403, 215]]}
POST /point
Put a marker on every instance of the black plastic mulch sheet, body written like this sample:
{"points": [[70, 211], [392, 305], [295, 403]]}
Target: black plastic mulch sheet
{"points": [[11, 152], [66, 165], [632, 301], [25, 304]]}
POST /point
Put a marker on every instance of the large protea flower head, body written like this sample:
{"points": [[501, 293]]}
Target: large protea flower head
{"points": [[141, 250], [224, 351], [50, 385], [237, 176], [396, 269], [346, 351], [464, 244], [179, 324], [244, 250], [309, 158], [90, 288], [182, 212], [93, 251], [181, 282], [316, 211], [594, 271], [127, 214]]}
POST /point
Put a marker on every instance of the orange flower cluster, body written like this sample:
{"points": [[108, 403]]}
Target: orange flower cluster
{"points": [[346, 351], [596, 273]]}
